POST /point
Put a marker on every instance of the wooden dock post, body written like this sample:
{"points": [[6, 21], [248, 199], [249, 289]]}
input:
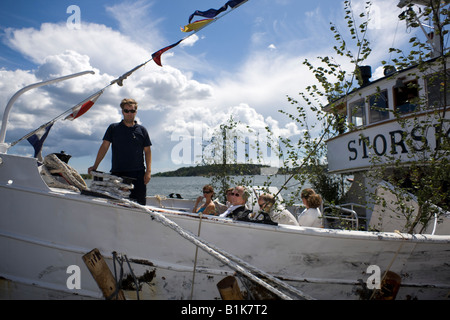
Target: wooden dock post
{"points": [[102, 275], [229, 289], [390, 284]]}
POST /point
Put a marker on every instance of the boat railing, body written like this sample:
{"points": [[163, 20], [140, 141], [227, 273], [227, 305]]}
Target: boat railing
{"points": [[344, 215]]}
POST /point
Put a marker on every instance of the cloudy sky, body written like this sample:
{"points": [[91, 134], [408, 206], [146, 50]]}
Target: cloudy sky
{"points": [[243, 65]]}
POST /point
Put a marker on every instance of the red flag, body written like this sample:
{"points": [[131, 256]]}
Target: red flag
{"points": [[157, 55], [83, 107]]}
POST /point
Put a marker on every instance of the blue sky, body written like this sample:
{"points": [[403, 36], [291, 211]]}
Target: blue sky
{"points": [[243, 65]]}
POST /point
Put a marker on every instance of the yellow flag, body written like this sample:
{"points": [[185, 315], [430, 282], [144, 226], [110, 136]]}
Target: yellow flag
{"points": [[194, 26]]}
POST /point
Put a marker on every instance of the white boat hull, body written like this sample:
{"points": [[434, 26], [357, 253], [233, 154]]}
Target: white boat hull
{"points": [[45, 231]]}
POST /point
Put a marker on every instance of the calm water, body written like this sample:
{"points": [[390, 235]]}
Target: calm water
{"points": [[191, 187]]}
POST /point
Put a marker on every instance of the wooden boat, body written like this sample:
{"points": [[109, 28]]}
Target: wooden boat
{"points": [[166, 252]]}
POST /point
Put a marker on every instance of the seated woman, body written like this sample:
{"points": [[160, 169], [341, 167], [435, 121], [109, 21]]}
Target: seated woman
{"points": [[266, 203], [208, 207], [311, 216]]}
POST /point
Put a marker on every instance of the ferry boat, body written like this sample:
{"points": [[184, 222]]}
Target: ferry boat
{"points": [[391, 132], [61, 243]]}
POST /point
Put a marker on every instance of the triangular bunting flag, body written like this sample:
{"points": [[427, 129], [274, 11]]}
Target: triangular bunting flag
{"points": [[157, 55], [194, 26], [83, 107], [37, 139], [211, 13]]}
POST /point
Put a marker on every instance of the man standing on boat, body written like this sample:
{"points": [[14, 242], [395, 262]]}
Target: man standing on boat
{"points": [[130, 145]]}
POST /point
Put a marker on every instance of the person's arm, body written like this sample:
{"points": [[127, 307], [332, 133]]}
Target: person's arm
{"points": [[148, 164], [100, 155], [195, 209]]}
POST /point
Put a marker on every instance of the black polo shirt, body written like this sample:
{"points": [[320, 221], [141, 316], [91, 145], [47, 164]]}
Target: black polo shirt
{"points": [[127, 146]]}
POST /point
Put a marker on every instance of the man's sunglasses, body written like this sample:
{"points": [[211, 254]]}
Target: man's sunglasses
{"points": [[129, 111], [235, 194]]}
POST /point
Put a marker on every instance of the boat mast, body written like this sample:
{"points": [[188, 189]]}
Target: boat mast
{"points": [[4, 146]]}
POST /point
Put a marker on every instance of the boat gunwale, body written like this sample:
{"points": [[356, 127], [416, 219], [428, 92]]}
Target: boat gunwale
{"points": [[307, 231]]}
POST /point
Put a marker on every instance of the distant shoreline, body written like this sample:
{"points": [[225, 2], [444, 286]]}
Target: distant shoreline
{"points": [[210, 170], [215, 169]]}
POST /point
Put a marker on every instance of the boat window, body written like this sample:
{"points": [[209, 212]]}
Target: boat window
{"points": [[378, 107], [435, 90], [357, 113], [405, 95]]}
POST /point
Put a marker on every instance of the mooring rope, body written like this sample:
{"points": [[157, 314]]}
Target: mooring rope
{"points": [[120, 261], [196, 254], [54, 165]]}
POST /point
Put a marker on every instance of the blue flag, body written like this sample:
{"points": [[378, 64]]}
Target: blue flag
{"points": [[211, 13], [37, 139]]}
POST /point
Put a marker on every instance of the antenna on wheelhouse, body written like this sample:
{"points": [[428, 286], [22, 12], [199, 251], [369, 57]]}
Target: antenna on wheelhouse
{"points": [[434, 38]]}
